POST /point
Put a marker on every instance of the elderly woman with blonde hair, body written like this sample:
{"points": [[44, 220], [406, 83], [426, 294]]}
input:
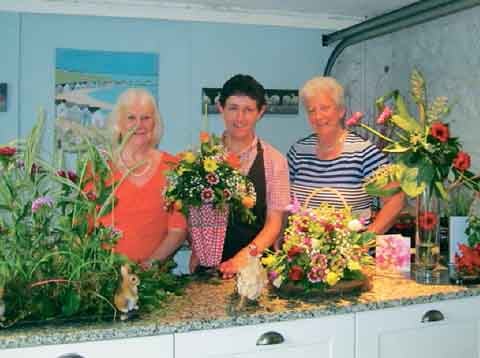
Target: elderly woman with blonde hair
{"points": [[337, 158], [149, 232]]}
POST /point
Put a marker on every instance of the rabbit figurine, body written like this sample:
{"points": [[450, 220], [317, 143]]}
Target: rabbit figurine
{"points": [[2, 305], [252, 278], [126, 297]]}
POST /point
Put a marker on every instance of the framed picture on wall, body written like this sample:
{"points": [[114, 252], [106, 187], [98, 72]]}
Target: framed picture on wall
{"points": [[3, 97], [87, 85], [279, 101]]}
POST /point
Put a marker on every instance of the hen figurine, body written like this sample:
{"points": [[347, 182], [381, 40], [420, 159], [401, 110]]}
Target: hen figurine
{"points": [[126, 297], [252, 278]]}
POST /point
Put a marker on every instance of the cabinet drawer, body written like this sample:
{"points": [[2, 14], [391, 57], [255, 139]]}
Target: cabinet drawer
{"points": [[320, 337], [442, 329], [144, 347]]}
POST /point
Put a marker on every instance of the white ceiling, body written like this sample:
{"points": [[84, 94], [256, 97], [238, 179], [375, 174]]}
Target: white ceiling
{"points": [[325, 14]]}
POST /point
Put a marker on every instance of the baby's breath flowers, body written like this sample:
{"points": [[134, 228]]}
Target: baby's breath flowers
{"points": [[210, 175]]}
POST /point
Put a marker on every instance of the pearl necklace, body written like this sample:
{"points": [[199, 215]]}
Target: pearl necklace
{"points": [[332, 146], [142, 173]]}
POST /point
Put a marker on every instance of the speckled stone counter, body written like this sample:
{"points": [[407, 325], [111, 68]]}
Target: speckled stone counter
{"points": [[213, 304]]}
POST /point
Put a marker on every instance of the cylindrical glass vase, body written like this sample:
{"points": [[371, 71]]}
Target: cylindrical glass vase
{"points": [[427, 238]]}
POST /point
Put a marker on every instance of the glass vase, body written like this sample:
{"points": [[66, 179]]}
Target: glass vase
{"points": [[427, 238]]}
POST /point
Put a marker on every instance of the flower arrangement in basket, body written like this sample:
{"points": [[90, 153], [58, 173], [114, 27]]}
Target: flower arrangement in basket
{"points": [[324, 248], [55, 262], [207, 187]]}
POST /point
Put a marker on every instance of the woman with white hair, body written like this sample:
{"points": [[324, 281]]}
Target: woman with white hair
{"points": [[336, 158], [149, 232]]}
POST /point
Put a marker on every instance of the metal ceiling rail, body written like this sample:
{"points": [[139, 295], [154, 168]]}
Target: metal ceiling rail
{"points": [[407, 16]]}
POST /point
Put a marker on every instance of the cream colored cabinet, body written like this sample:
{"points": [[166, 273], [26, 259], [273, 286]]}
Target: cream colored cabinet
{"points": [[443, 329], [327, 337], [144, 347]]}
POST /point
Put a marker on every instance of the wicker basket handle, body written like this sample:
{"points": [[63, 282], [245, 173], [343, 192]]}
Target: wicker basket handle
{"points": [[326, 189]]}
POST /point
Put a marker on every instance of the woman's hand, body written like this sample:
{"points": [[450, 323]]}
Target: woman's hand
{"points": [[230, 267]]}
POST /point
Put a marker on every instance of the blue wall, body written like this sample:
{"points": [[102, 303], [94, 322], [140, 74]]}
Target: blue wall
{"points": [[191, 56]]}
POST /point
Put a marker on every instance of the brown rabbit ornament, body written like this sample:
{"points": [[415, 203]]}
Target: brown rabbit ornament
{"points": [[126, 297]]}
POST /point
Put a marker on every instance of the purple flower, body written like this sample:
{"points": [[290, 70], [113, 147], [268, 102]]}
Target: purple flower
{"points": [[272, 275], [40, 202]]}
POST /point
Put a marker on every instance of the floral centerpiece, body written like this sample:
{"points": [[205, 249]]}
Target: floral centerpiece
{"points": [[467, 261], [427, 160], [56, 261], [206, 185], [323, 247]]}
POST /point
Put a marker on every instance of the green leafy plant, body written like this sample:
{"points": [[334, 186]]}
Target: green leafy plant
{"points": [[56, 261]]}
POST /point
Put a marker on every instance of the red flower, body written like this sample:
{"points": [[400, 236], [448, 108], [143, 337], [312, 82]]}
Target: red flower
{"points": [[427, 220], [469, 260], [91, 195], [328, 227], [68, 175], [7, 151], [296, 273], [440, 131], [462, 161], [294, 251]]}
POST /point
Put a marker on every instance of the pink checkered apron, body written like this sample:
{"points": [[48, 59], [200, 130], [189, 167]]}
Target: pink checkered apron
{"points": [[207, 227]]}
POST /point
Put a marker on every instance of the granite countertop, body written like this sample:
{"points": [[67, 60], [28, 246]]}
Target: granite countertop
{"points": [[213, 304]]}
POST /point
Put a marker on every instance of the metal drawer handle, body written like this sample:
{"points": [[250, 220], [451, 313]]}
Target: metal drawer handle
{"points": [[433, 316], [70, 355], [269, 338]]}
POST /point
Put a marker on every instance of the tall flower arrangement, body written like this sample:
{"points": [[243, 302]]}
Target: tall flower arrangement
{"points": [[425, 155], [56, 261]]}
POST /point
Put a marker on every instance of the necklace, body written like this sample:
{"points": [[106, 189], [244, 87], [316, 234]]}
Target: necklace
{"points": [[142, 173], [332, 146]]}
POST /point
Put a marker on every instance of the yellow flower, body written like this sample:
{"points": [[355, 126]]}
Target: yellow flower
{"points": [[332, 278], [270, 260], [210, 165], [353, 265], [177, 205], [189, 157], [248, 202]]}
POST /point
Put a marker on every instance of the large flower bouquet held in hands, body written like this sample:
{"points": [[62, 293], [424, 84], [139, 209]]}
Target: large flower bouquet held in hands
{"points": [[206, 185], [324, 248], [427, 162]]}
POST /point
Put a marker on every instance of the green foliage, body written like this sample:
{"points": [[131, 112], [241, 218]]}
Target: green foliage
{"points": [[473, 231], [56, 261]]}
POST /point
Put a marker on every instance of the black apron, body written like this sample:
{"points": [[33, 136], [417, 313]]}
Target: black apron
{"points": [[240, 234]]}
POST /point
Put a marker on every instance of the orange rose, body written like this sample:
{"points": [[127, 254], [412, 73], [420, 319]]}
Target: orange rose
{"points": [[248, 202], [177, 205], [204, 137], [233, 160]]}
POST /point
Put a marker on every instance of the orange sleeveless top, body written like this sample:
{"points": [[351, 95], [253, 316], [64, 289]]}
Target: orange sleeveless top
{"points": [[140, 214]]}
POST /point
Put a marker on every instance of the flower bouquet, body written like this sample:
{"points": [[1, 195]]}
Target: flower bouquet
{"points": [[56, 263], [324, 251], [467, 261], [427, 163], [206, 185]]}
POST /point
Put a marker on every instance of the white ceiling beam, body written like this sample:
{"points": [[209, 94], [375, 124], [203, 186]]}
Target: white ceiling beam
{"points": [[181, 12]]}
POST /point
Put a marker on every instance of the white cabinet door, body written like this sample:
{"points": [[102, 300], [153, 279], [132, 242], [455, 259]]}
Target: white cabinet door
{"points": [[453, 331], [327, 337], [144, 347]]}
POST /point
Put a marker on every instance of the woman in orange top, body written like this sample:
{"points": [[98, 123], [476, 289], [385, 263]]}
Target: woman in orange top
{"points": [[149, 232]]}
